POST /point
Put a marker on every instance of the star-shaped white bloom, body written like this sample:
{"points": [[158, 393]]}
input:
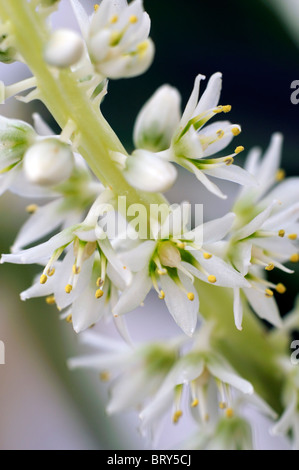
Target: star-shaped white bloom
{"points": [[172, 260]]}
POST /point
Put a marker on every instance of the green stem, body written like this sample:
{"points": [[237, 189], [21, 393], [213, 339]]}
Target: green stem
{"points": [[248, 351]]}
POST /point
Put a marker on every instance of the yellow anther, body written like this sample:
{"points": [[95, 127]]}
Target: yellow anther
{"points": [[270, 267], [99, 293], [76, 269], [99, 282], [293, 236], [69, 319], [104, 376], [222, 405], [162, 295], [51, 272], [269, 293], [177, 416], [50, 300], [43, 279], [212, 279], [207, 256], [32, 208], [68, 288], [229, 412], [229, 161], [162, 272], [124, 267], [236, 131], [96, 7], [280, 288], [281, 233], [113, 19], [280, 175], [219, 109], [142, 47], [294, 258], [220, 133], [227, 108], [181, 245], [133, 19], [239, 149], [190, 296], [194, 403]]}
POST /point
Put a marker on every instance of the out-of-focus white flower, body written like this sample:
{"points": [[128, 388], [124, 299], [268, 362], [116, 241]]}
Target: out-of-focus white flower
{"points": [[118, 40], [64, 48], [289, 420], [158, 120], [265, 232], [172, 260], [48, 162], [193, 142], [147, 172], [140, 370]]}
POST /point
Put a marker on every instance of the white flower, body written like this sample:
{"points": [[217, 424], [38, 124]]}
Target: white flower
{"points": [[172, 260], [140, 370], [118, 40], [158, 120], [193, 143], [147, 172], [64, 48], [289, 420], [200, 369], [227, 434], [48, 162], [264, 234], [89, 258]]}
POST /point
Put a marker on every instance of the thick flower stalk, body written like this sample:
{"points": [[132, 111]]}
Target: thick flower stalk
{"points": [[102, 262]]}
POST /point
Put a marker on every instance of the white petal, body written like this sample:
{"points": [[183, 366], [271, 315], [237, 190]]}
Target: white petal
{"points": [[238, 309], [39, 290], [270, 163], [283, 218], [41, 126], [217, 229], [220, 144], [183, 310], [242, 257], [7, 179], [287, 192], [139, 257], [284, 424], [114, 260], [100, 362], [120, 280], [103, 342], [81, 17], [233, 173], [134, 295], [39, 253], [211, 96], [265, 307], [253, 160]]}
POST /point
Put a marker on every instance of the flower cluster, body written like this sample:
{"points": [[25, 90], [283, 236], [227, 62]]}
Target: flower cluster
{"points": [[101, 262]]}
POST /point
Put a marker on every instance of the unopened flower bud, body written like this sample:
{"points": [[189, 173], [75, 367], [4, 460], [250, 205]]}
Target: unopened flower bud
{"points": [[15, 138], [158, 120], [65, 48], [48, 162], [147, 172]]}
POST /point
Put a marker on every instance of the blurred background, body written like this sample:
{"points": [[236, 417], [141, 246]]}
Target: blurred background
{"points": [[254, 43]]}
